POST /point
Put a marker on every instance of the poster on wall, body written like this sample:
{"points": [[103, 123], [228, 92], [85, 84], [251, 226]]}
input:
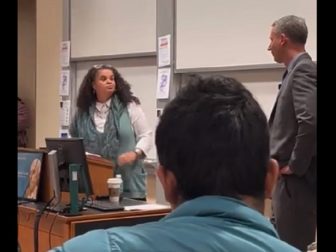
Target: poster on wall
{"points": [[65, 113], [163, 82], [65, 53], [64, 133], [164, 50], [64, 83]]}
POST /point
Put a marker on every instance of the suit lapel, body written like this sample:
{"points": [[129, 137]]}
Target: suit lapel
{"points": [[276, 101], [284, 82]]}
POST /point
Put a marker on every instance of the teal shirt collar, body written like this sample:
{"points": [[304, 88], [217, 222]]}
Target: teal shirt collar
{"points": [[225, 208]]}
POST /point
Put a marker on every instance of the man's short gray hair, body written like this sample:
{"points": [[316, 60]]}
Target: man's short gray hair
{"points": [[293, 27]]}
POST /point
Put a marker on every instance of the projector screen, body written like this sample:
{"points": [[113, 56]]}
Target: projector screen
{"points": [[234, 34]]}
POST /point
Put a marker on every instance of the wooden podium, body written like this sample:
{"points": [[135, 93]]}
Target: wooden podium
{"points": [[100, 169]]}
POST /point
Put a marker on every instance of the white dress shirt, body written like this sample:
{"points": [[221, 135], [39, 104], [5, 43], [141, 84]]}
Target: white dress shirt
{"points": [[100, 114], [143, 133]]}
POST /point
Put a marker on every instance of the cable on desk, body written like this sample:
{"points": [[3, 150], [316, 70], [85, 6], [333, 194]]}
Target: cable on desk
{"points": [[83, 200], [50, 229], [37, 222]]}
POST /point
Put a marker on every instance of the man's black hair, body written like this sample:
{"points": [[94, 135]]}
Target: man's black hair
{"points": [[214, 137]]}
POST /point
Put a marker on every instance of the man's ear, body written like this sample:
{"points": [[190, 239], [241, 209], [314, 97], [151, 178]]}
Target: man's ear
{"points": [[283, 39], [169, 184], [271, 177]]}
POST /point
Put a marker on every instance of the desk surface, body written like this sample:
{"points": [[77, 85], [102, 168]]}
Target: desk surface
{"points": [[55, 229], [90, 213]]}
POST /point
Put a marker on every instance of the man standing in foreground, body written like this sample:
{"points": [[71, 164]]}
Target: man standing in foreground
{"points": [[293, 134]]}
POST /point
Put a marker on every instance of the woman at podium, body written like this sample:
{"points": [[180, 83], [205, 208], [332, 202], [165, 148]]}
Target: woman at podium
{"points": [[113, 125]]}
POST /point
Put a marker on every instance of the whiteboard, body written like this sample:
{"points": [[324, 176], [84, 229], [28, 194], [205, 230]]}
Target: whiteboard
{"points": [[112, 27], [141, 74], [224, 33], [262, 83]]}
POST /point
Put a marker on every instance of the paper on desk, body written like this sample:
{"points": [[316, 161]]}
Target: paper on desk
{"points": [[91, 154], [146, 207]]}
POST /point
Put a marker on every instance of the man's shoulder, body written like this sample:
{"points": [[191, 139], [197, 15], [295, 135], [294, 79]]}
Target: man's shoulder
{"points": [[172, 236], [304, 68], [305, 62]]}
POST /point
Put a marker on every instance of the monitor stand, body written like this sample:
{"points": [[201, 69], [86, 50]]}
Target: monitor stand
{"points": [[73, 188], [74, 208]]}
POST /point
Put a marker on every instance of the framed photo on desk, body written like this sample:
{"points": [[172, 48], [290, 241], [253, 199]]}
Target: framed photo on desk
{"points": [[29, 173]]}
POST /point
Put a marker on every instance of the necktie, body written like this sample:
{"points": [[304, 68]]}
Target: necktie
{"points": [[283, 77], [276, 101]]}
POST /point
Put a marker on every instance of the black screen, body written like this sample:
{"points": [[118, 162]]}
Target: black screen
{"points": [[71, 151]]}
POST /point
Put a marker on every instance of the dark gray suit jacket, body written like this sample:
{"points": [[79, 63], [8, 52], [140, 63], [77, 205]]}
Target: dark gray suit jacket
{"points": [[293, 119]]}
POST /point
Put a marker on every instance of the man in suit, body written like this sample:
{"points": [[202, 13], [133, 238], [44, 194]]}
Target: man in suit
{"points": [[293, 134]]}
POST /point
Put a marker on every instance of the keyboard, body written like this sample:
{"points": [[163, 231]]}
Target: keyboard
{"points": [[104, 205], [59, 208], [64, 209]]}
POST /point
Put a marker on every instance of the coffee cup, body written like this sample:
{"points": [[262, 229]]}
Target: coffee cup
{"points": [[113, 185]]}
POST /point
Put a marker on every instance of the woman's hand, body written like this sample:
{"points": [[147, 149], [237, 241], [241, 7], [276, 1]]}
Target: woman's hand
{"points": [[127, 158]]}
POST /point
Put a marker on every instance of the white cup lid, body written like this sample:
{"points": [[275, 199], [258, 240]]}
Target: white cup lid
{"points": [[114, 181]]}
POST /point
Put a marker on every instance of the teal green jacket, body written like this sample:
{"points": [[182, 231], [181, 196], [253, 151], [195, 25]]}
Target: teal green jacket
{"points": [[119, 136], [204, 224]]}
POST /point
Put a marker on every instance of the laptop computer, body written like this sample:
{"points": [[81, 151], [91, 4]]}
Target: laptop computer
{"points": [[106, 205], [28, 174]]}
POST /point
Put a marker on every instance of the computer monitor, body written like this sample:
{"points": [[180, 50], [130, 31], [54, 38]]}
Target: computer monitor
{"points": [[71, 151], [54, 177]]}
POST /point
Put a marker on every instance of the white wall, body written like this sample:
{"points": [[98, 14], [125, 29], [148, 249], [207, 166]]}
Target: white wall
{"points": [[49, 24], [112, 27], [40, 32], [27, 61], [262, 83]]}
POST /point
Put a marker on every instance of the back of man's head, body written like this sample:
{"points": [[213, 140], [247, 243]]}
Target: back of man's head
{"points": [[213, 136]]}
